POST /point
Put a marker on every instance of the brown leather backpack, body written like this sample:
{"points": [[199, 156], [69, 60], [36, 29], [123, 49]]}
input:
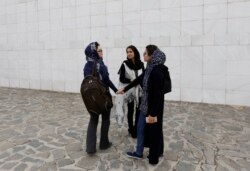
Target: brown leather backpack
{"points": [[95, 94]]}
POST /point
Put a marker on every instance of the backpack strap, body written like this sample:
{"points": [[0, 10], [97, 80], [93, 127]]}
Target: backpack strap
{"points": [[94, 69]]}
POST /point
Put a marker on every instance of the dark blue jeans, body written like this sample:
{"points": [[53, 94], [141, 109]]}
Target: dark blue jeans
{"points": [[140, 133]]}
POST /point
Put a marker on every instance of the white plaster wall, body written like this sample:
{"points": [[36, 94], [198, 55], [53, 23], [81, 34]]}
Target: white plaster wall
{"points": [[207, 43]]}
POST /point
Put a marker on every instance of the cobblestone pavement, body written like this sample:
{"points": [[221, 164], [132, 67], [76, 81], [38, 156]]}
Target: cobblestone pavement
{"points": [[42, 130]]}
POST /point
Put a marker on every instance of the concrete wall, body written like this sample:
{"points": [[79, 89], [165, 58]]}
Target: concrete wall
{"points": [[207, 43]]}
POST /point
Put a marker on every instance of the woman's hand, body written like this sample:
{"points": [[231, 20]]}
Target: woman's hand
{"points": [[151, 119], [121, 91]]}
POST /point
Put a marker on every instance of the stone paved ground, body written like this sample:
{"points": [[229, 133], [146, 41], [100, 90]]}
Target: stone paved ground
{"points": [[42, 130]]}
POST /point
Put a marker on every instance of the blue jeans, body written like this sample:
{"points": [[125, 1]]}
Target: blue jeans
{"points": [[140, 133]]}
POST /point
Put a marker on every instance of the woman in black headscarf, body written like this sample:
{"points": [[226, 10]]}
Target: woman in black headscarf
{"points": [[130, 70]]}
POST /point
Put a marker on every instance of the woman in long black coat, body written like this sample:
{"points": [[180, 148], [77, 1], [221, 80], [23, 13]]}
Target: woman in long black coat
{"points": [[154, 126], [152, 105]]}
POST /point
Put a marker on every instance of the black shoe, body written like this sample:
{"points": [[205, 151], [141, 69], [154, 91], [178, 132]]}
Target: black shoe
{"points": [[160, 157], [106, 147], [132, 134], [91, 153], [155, 162]]}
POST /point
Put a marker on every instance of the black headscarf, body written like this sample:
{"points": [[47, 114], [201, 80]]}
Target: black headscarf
{"points": [[137, 64]]}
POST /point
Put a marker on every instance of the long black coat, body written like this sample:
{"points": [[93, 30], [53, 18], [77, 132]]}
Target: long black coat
{"points": [[155, 89], [154, 132]]}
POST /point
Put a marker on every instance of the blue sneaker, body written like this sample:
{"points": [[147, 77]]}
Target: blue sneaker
{"points": [[134, 155]]}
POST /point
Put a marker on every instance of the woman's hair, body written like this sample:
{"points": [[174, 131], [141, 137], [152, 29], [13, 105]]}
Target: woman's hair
{"points": [[150, 49], [136, 52]]}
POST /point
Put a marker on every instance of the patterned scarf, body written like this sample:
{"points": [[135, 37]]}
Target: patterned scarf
{"points": [[158, 58]]}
